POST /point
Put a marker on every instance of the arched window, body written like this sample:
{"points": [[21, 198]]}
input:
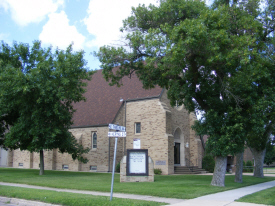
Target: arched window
{"points": [[94, 140]]}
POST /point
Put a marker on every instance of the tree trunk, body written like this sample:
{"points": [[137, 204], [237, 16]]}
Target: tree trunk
{"points": [[219, 172], [259, 162], [41, 163], [239, 168]]}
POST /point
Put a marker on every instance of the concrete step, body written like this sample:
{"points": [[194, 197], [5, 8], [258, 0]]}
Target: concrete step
{"points": [[188, 170]]}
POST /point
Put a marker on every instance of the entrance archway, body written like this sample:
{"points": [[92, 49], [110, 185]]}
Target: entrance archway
{"points": [[179, 156]]}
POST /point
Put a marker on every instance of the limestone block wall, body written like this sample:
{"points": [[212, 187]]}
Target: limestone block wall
{"points": [[152, 116], [21, 157], [10, 158], [191, 146], [97, 157], [119, 152], [195, 144], [48, 160], [54, 160]]}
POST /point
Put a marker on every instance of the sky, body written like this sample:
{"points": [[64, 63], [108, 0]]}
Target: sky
{"points": [[88, 24]]}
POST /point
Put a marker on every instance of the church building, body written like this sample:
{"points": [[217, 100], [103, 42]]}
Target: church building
{"points": [[148, 117]]}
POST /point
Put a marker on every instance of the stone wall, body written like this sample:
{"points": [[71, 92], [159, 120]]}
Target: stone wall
{"points": [[21, 157], [54, 160], [191, 145], [152, 116]]}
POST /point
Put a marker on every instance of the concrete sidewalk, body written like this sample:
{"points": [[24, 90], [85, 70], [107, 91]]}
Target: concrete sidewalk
{"points": [[218, 199], [227, 197]]}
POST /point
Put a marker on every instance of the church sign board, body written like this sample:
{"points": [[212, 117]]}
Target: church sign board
{"points": [[137, 162]]}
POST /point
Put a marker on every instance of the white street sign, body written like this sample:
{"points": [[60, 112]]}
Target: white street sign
{"points": [[116, 127], [116, 134]]}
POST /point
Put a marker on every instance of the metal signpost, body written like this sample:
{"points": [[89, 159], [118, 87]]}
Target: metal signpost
{"points": [[116, 135]]}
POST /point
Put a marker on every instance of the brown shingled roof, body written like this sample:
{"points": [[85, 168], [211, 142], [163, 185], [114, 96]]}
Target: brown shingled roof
{"points": [[103, 101]]}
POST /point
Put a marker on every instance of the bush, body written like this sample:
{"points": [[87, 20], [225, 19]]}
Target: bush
{"points": [[244, 169], [208, 163], [249, 166], [118, 167], [157, 171]]}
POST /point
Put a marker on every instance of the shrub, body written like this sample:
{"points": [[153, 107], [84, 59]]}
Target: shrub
{"points": [[244, 169], [249, 165], [208, 163], [157, 171], [118, 167]]}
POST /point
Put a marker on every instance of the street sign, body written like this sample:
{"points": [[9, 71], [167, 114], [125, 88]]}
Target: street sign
{"points": [[116, 134], [116, 127]]}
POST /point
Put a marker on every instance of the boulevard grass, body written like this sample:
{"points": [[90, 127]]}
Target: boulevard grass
{"points": [[69, 199], [170, 186], [265, 197]]}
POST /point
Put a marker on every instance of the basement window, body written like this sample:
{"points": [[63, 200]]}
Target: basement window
{"points": [[65, 167], [93, 168], [20, 164]]}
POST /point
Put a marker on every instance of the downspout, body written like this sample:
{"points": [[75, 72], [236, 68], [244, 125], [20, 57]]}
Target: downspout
{"points": [[109, 156], [125, 126]]}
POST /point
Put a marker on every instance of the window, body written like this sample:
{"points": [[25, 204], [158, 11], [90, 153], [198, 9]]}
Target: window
{"points": [[93, 167], [137, 127], [65, 167], [94, 140], [20, 164]]}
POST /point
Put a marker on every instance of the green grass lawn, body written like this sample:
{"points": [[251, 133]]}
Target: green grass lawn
{"points": [[265, 197], [70, 199], [171, 186]]}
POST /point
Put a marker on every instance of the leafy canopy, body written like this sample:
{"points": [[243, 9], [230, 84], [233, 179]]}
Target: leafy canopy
{"points": [[37, 90], [198, 54]]}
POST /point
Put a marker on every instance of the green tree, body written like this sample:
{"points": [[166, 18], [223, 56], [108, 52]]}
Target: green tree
{"points": [[196, 53], [258, 96], [37, 90]]}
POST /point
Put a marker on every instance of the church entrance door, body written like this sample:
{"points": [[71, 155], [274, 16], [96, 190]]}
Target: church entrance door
{"points": [[177, 153]]}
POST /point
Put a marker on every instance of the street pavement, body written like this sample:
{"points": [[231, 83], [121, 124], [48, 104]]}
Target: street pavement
{"points": [[226, 198]]}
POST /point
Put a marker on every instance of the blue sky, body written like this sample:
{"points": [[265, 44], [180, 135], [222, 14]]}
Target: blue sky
{"points": [[89, 24]]}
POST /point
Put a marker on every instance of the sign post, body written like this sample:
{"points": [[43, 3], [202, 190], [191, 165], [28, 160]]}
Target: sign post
{"points": [[116, 135]]}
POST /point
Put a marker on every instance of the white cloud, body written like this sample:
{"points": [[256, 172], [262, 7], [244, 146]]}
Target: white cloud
{"points": [[30, 11], [59, 33], [105, 18], [4, 4]]}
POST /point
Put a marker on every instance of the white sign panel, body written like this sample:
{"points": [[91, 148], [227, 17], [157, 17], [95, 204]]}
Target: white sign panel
{"points": [[136, 144], [116, 134], [137, 162], [116, 127]]}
